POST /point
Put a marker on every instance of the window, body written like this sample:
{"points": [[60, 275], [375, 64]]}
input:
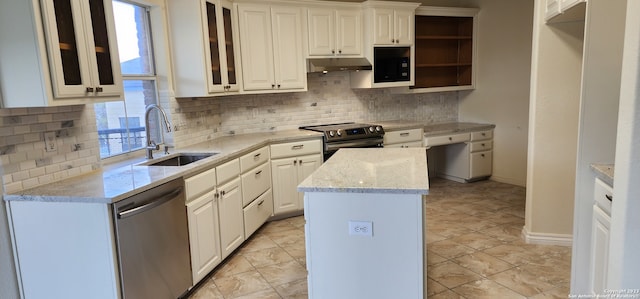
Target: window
{"points": [[121, 127]]}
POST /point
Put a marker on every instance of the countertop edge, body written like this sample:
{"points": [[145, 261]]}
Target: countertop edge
{"points": [[604, 172], [364, 190]]}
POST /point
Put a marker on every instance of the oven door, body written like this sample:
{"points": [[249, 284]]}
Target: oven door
{"points": [[332, 147]]}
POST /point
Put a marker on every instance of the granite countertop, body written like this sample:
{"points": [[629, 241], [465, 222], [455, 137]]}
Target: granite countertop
{"points": [[111, 184], [604, 172], [434, 129], [371, 170]]}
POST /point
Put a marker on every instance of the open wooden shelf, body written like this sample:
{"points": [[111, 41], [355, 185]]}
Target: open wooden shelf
{"points": [[443, 51]]}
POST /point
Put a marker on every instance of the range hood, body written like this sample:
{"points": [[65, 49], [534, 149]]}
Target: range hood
{"points": [[338, 64]]}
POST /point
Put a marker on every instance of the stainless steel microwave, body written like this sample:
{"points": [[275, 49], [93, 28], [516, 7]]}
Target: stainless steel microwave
{"points": [[391, 64]]}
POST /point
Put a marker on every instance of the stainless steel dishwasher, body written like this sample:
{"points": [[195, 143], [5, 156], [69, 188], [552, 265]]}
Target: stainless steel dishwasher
{"points": [[153, 243]]}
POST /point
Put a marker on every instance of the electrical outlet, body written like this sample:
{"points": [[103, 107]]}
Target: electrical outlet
{"points": [[361, 228], [50, 142]]}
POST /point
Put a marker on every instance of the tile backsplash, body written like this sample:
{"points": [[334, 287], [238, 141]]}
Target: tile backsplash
{"points": [[329, 99], [24, 163]]}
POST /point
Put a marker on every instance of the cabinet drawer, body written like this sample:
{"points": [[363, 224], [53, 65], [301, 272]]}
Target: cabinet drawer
{"points": [[446, 139], [482, 135], [255, 182], [481, 164], [257, 213], [228, 171], [482, 145], [601, 194], [402, 136], [254, 159], [405, 145], [199, 184], [292, 149]]}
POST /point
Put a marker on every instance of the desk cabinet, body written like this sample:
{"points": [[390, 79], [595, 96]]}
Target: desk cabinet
{"points": [[461, 157]]}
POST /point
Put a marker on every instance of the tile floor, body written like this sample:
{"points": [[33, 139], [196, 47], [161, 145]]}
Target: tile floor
{"points": [[473, 242]]}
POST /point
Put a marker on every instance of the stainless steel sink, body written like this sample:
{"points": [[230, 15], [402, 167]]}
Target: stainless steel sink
{"points": [[179, 159]]}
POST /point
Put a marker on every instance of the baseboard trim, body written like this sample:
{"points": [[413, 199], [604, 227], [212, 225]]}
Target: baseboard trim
{"points": [[546, 239], [510, 181]]}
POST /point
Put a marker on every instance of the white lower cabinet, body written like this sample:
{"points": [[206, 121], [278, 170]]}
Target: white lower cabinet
{"points": [[257, 199], [215, 216], [204, 236], [231, 216], [600, 235], [403, 138], [461, 157], [290, 164], [257, 212]]}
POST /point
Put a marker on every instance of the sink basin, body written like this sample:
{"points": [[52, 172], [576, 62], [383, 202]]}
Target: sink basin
{"points": [[180, 159]]}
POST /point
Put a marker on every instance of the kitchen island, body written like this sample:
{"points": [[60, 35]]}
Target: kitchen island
{"points": [[365, 227]]}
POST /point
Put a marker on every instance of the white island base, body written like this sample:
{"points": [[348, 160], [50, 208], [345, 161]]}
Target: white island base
{"points": [[365, 229]]}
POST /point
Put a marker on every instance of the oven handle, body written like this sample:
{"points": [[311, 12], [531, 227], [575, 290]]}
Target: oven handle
{"points": [[352, 144]]}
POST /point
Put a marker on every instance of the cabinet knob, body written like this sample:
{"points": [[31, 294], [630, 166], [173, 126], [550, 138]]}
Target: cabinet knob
{"points": [[295, 162], [300, 162], [450, 138], [333, 51], [482, 155], [339, 51], [98, 89], [222, 192], [89, 89], [273, 86], [393, 41], [278, 85]]}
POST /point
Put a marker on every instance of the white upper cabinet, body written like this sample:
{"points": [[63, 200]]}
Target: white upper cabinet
{"points": [[67, 55], [204, 47], [392, 26], [271, 48], [334, 32]]}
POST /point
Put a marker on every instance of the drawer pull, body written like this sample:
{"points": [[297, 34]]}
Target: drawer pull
{"points": [[261, 202], [297, 147], [609, 197], [482, 155], [404, 134], [256, 156], [450, 139], [258, 173], [482, 144]]}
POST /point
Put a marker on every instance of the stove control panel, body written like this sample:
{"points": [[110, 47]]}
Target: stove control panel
{"points": [[354, 133]]}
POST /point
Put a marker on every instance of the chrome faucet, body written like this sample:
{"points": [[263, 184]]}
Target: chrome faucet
{"points": [[151, 145]]}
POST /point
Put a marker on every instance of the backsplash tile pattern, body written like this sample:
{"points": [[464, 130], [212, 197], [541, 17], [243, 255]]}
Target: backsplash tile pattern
{"points": [[24, 163], [329, 99]]}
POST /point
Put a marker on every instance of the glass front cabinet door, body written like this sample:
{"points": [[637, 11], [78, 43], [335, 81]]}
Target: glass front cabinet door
{"points": [[220, 56], [81, 44]]}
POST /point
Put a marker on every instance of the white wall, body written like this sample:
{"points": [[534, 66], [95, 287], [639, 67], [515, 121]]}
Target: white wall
{"points": [[553, 128], [624, 260], [602, 62], [501, 97]]}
